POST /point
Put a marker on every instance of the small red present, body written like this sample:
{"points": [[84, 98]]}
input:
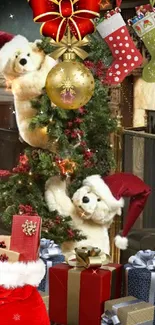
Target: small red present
{"points": [[77, 295], [25, 237]]}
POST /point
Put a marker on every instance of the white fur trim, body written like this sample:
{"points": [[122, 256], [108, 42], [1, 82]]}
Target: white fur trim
{"points": [[18, 274], [110, 25], [99, 187], [121, 242]]}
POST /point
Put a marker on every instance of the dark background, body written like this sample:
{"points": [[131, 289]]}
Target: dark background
{"points": [[22, 22]]}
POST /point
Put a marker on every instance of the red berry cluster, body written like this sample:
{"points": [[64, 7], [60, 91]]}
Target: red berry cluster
{"points": [[98, 68], [73, 128], [5, 173], [23, 166], [2, 244], [73, 132], [57, 220], [70, 233], [27, 210], [3, 258]]}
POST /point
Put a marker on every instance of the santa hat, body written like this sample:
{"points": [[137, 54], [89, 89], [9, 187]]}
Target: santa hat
{"points": [[112, 189], [5, 38], [19, 254]]}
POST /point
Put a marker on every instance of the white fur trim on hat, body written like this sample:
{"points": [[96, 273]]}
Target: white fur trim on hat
{"points": [[121, 242], [99, 187], [110, 25], [18, 274]]}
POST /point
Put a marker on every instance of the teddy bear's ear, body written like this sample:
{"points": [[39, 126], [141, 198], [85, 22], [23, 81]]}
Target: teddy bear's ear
{"points": [[35, 46]]}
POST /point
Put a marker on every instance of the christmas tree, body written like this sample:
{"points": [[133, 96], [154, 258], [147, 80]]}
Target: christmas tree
{"points": [[81, 147]]}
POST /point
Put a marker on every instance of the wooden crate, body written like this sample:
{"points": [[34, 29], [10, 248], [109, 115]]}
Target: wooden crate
{"points": [[139, 159]]}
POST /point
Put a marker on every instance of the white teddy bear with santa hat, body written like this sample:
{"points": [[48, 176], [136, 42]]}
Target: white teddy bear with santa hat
{"points": [[95, 205], [25, 67]]}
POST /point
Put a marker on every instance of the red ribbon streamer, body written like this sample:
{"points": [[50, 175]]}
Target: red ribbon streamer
{"points": [[56, 15], [118, 3]]}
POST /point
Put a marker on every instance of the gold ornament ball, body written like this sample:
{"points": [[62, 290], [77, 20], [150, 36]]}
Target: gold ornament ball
{"points": [[70, 85]]}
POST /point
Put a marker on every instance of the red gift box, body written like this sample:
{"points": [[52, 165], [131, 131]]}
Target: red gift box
{"points": [[23, 240], [77, 296]]}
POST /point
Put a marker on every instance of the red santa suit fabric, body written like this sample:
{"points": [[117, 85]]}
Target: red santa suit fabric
{"points": [[22, 306], [20, 302], [128, 185]]}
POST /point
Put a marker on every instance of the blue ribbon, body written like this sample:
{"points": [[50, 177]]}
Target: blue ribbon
{"points": [[48, 250], [145, 260], [110, 318]]}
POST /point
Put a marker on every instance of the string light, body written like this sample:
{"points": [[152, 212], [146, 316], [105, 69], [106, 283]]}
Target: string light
{"points": [[44, 130], [19, 182], [11, 16]]}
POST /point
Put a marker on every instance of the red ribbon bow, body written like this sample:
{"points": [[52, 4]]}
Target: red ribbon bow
{"points": [[56, 15]]}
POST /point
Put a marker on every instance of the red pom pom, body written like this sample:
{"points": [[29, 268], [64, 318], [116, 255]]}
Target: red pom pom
{"points": [[82, 110], [67, 132], [88, 154]]}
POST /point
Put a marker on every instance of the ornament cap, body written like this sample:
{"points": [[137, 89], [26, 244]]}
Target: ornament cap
{"points": [[69, 56]]}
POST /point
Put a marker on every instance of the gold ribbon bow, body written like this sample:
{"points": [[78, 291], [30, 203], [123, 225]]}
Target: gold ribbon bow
{"points": [[88, 257], [70, 44], [29, 228]]}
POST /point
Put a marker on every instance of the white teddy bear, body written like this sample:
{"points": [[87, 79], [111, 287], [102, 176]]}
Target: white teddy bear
{"points": [[89, 212], [95, 205], [91, 201], [26, 67]]}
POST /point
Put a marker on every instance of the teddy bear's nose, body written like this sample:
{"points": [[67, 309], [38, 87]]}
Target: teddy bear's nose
{"points": [[23, 61], [85, 199]]}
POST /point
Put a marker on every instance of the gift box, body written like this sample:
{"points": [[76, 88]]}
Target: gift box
{"points": [[44, 285], [51, 255], [128, 311], [9, 255], [77, 295], [140, 276], [26, 228]]}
